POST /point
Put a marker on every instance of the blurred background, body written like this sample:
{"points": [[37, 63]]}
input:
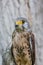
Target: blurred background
{"points": [[30, 9]]}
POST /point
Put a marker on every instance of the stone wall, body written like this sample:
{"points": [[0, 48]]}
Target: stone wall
{"points": [[9, 11], [37, 15]]}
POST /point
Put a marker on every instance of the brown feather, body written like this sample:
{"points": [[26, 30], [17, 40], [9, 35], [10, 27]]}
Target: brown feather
{"points": [[21, 49]]}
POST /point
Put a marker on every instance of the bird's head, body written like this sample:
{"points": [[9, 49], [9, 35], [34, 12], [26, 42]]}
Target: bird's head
{"points": [[22, 24]]}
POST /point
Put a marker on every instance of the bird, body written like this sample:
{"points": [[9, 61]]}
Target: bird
{"points": [[23, 43], [22, 50]]}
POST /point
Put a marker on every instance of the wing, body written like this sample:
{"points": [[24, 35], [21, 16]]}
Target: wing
{"points": [[33, 48]]}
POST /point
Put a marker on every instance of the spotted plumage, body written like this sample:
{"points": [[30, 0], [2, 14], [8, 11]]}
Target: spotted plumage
{"points": [[21, 48]]}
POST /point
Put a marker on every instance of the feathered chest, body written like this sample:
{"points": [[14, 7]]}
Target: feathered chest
{"points": [[21, 49]]}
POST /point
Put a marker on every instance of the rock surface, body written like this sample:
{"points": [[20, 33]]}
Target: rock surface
{"points": [[37, 14], [9, 11]]}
